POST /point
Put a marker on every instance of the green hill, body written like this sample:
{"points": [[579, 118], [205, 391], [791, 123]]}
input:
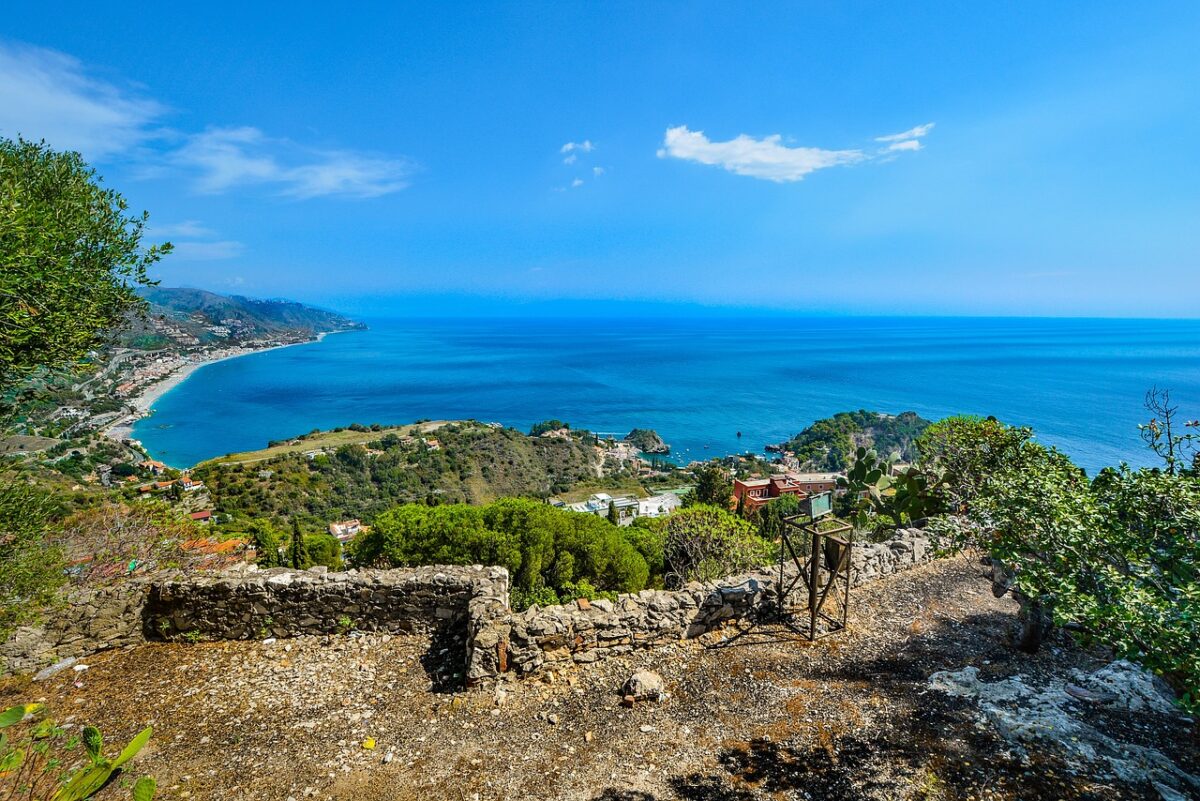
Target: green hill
{"points": [[209, 317], [828, 444], [330, 475]]}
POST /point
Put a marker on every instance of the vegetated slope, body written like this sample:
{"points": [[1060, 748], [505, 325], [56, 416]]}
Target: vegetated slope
{"points": [[196, 312], [472, 463], [829, 443]]}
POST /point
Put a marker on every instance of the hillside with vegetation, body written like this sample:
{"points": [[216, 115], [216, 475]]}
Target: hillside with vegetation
{"points": [[209, 318], [465, 462], [830, 443]]}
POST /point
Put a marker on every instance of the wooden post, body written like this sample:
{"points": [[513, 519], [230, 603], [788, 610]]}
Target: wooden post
{"points": [[814, 577]]}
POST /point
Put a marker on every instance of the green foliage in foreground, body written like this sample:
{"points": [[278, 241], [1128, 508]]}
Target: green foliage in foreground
{"points": [[40, 760], [73, 258], [1117, 557], [30, 568], [552, 554]]}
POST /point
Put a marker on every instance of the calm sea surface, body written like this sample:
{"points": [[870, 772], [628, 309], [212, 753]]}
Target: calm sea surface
{"points": [[1079, 383]]}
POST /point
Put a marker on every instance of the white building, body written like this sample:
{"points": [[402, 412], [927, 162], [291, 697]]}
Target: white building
{"points": [[659, 505]]}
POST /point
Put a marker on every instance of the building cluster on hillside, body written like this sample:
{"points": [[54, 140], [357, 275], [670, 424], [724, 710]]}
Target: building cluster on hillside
{"points": [[627, 508], [185, 482], [752, 493]]}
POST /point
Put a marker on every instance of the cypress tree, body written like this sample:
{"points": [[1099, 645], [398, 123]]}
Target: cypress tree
{"points": [[297, 552]]}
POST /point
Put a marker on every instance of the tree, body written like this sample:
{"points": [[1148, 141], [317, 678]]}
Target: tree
{"points": [[1161, 433], [297, 552], [713, 487], [771, 516], [612, 513], [550, 553], [547, 425], [705, 543], [73, 258], [323, 549], [266, 543]]}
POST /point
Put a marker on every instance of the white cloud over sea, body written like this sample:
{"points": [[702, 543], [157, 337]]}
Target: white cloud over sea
{"points": [[769, 158]]}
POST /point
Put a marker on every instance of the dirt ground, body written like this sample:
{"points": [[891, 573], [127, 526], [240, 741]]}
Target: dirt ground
{"points": [[757, 713]]}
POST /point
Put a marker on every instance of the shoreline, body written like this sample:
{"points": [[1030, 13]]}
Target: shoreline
{"points": [[143, 402]]}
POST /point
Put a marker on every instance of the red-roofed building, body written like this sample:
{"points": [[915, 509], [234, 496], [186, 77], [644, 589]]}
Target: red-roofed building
{"points": [[203, 516], [754, 493]]}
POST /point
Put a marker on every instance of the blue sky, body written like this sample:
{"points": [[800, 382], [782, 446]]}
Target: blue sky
{"points": [[944, 158]]}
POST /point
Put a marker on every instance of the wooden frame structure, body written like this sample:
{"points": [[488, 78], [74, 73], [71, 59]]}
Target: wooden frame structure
{"points": [[823, 567]]}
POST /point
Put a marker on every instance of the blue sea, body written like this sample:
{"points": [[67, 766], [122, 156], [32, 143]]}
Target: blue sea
{"points": [[698, 382]]}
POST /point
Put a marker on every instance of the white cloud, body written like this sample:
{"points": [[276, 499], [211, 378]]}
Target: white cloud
{"points": [[47, 95], [570, 159], [194, 241], [597, 171], [207, 251], [911, 133], [767, 158], [577, 182], [187, 228], [224, 158], [586, 146]]}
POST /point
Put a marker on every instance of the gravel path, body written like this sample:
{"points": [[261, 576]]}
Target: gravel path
{"points": [[754, 713]]}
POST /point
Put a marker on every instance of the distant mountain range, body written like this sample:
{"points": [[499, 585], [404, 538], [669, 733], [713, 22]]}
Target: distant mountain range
{"points": [[206, 317]]}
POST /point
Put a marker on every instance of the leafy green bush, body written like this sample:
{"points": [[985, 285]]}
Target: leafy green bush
{"points": [[1118, 557], [704, 543], [30, 568], [38, 759], [323, 549], [549, 552]]}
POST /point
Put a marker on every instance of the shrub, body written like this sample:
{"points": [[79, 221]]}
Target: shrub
{"points": [[549, 552], [704, 543], [30, 568]]}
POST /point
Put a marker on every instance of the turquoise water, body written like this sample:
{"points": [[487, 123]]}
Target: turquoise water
{"points": [[1079, 383]]}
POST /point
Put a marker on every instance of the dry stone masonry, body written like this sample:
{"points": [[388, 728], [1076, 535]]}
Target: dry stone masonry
{"points": [[286, 603], [586, 631], [257, 604]]}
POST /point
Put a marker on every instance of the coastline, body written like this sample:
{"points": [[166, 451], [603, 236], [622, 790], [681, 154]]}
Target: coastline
{"points": [[143, 402]]}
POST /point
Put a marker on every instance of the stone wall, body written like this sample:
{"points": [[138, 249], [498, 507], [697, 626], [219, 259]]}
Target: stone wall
{"points": [[87, 621], [286, 603], [251, 604], [470, 601], [588, 631]]}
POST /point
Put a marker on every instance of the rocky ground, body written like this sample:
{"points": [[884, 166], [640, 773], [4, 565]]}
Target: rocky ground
{"points": [[754, 713]]}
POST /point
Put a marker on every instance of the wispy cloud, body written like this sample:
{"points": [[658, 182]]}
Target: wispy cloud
{"points": [[586, 146], [911, 133], [769, 158], [905, 140], [47, 95], [576, 183], [207, 251], [597, 171], [187, 228], [194, 241], [225, 158]]}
